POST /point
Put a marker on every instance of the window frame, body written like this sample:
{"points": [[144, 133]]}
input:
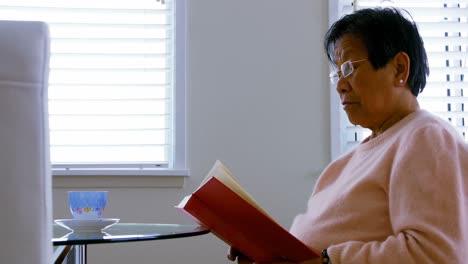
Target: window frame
{"points": [[338, 118], [336, 113], [178, 161]]}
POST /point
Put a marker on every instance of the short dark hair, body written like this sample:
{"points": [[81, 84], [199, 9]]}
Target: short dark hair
{"points": [[385, 32]]}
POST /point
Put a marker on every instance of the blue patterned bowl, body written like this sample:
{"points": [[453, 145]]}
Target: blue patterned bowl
{"points": [[87, 205]]}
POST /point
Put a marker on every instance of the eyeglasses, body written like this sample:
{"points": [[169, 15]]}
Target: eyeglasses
{"points": [[346, 69]]}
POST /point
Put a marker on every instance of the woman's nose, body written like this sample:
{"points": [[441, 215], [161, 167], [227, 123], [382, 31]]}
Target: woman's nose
{"points": [[342, 86]]}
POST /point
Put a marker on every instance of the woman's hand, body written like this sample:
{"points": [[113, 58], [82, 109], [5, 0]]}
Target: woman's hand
{"points": [[234, 254]]}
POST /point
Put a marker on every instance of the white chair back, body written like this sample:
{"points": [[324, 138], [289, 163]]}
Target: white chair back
{"points": [[25, 189]]}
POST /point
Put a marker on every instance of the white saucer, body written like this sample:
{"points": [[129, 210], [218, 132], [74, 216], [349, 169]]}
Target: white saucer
{"points": [[87, 225]]}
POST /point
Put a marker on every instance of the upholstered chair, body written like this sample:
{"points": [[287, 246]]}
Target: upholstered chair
{"points": [[25, 188]]}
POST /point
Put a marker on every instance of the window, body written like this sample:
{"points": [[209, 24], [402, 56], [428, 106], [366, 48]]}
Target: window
{"points": [[443, 25], [115, 100]]}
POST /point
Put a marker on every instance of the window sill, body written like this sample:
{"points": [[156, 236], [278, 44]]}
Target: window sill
{"points": [[119, 178]]}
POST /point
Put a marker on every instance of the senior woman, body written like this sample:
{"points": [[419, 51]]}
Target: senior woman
{"points": [[400, 196]]}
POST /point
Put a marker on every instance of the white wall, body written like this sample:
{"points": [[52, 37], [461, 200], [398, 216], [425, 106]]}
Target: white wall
{"points": [[257, 99]]}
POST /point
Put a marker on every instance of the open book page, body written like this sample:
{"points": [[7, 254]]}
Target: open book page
{"points": [[220, 172]]}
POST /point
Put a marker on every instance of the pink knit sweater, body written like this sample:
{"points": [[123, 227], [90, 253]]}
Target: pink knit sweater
{"points": [[401, 197]]}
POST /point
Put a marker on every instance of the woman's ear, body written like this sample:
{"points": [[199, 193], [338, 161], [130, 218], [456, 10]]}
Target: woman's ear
{"points": [[401, 62]]}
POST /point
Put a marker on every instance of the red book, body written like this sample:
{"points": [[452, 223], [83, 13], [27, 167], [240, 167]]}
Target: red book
{"points": [[222, 205]]}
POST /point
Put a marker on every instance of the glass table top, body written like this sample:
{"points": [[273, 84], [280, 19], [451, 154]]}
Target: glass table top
{"points": [[125, 232]]}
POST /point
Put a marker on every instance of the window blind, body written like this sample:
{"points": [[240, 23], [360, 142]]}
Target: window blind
{"points": [[443, 25], [111, 80]]}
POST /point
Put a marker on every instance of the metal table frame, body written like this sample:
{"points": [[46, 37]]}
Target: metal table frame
{"points": [[72, 247]]}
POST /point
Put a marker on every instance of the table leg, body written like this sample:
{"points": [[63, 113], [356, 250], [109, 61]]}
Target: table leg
{"points": [[77, 255], [61, 254], [80, 256]]}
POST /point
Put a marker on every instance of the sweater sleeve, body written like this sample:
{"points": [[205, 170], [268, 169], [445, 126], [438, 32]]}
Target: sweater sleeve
{"points": [[428, 204]]}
